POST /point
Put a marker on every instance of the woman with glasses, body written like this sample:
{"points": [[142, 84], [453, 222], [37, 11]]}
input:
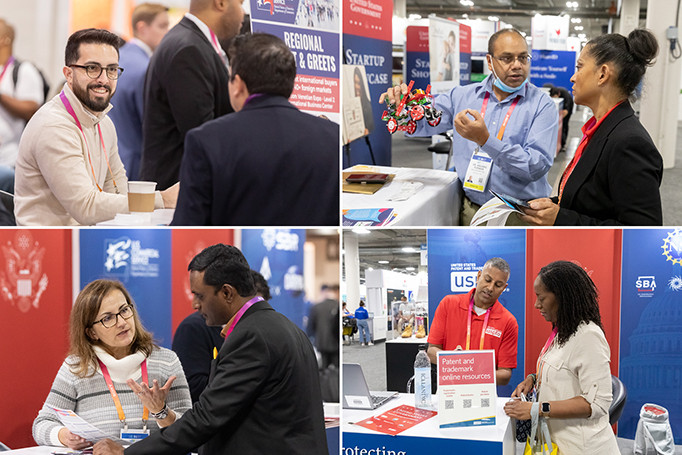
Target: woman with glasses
{"points": [[616, 172], [110, 349]]}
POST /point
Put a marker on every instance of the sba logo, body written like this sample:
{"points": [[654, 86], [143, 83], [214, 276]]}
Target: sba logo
{"points": [[462, 281], [645, 283]]}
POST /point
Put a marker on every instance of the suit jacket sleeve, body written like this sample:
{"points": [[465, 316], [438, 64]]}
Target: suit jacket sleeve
{"points": [[196, 191], [191, 83], [242, 368], [634, 176]]}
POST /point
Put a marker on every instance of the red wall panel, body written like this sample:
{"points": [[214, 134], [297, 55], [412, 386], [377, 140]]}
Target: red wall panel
{"points": [[35, 303], [598, 251], [185, 244]]}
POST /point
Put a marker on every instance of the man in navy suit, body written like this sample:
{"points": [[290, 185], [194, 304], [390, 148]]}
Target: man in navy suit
{"points": [[186, 85], [150, 25], [267, 164]]}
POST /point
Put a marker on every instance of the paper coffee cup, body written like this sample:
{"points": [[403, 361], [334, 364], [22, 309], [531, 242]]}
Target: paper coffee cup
{"points": [[141, 196]]}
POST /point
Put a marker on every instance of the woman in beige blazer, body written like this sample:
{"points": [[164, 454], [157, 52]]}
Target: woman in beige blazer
{"points": [[573, 377]]}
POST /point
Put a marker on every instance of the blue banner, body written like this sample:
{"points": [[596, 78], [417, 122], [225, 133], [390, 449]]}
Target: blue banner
{"points": [[278, 255], [554, 67], [375, 56], [417, 69], [464, 69], [456, 256], [363, 443], [141, 260], [651, 325]]}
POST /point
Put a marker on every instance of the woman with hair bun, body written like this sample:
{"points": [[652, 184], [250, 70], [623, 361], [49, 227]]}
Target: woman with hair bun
{"points": [[615, 175]]}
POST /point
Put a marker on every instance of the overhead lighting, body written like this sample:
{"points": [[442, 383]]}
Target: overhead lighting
{"points": [[493, 19], [465, 16], [582, 36], [414, 17], [466, 2], [523, 34], [369, 269], [361, 230], [576, 20], [409, 249], [410, 269], [573, 5], [579, 27], [382, 262]]}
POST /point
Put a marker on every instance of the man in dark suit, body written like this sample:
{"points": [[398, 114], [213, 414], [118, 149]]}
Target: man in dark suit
{"points": [[186, 85], [263, 394], [267, 164]]}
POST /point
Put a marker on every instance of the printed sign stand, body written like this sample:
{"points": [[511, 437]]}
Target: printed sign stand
{"points": [[466, 388]]}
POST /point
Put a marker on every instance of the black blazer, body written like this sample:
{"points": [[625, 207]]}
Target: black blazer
{"points": [[185, 86], [262, 397], [617, 178], [266, 165]]}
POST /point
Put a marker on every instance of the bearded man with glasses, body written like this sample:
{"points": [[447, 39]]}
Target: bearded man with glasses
{"points": [[68, 170], [507, 128]]}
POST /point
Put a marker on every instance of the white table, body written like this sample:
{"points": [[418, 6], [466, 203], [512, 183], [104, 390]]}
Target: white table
{"points": [[436, 204], [160, 217], [42, 450], [427, 437]]}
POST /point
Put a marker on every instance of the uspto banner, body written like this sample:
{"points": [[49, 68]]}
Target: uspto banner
{"points": [[311, 30], [278, 255], [141, 260], [456, 256], [417, 65]]}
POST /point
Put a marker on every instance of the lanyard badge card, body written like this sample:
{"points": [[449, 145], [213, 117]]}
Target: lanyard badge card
{"points": [[130, 435]]}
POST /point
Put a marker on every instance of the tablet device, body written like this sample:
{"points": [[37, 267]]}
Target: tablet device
{"points": [[512, 202], [367, 178]]}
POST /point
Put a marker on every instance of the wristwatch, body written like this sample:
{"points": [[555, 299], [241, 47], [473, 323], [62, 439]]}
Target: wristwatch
{"points": [[545, 408], [163, 413]]}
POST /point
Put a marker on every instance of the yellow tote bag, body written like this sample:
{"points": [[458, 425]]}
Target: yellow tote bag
{"points": [[537, 450]]}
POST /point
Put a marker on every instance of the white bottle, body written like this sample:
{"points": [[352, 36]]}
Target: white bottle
{"points": [[422, 379]]}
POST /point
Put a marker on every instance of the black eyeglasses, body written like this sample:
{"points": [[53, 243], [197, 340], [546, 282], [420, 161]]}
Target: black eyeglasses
{"points": [[111, 320], [94, 70], [509, 59]]}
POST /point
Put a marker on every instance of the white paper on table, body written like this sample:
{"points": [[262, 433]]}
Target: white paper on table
{"points": [[80, 427], [495, 212], [406, 191]]}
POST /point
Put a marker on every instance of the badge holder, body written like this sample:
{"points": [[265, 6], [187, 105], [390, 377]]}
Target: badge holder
{"points": [[478, 171], [131, 436]]}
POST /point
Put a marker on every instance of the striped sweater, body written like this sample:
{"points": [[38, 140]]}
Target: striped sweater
{"points": [[90, 398]]}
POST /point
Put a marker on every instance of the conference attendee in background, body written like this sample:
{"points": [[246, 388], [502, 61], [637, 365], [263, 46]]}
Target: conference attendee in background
{"points": [[186, 85], [323, 326], [21, 94], [362, 318], [68, 170], [492, 325], [149, 25], [615, 175], [263, 395], [514, 155], [573, 377], [566, 111], [109, 348], [267, 164], [197, 343]]}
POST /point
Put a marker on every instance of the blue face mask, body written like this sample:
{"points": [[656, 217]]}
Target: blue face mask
{"points": [[504, 87]]}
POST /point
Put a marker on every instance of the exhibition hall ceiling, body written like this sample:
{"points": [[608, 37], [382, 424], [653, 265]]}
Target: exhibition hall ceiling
{"points": [[594, 15], [389, 245]]}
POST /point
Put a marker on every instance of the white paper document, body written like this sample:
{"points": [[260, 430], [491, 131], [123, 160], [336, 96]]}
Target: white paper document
{"points": [[80, 427]]}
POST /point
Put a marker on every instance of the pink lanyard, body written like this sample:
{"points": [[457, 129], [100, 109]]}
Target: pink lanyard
{"points": [[216, 46], [241, 312], [485, 325], [9, 62], [540, 365], [71, 112], [114, 395], [506, 117]]}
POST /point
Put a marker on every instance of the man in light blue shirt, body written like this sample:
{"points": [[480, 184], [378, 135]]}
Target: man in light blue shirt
{"points": [[507, 125], [150, 24]]}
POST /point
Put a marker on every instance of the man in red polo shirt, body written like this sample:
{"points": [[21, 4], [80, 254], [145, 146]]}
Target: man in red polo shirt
{"points": [[476, 320]]}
